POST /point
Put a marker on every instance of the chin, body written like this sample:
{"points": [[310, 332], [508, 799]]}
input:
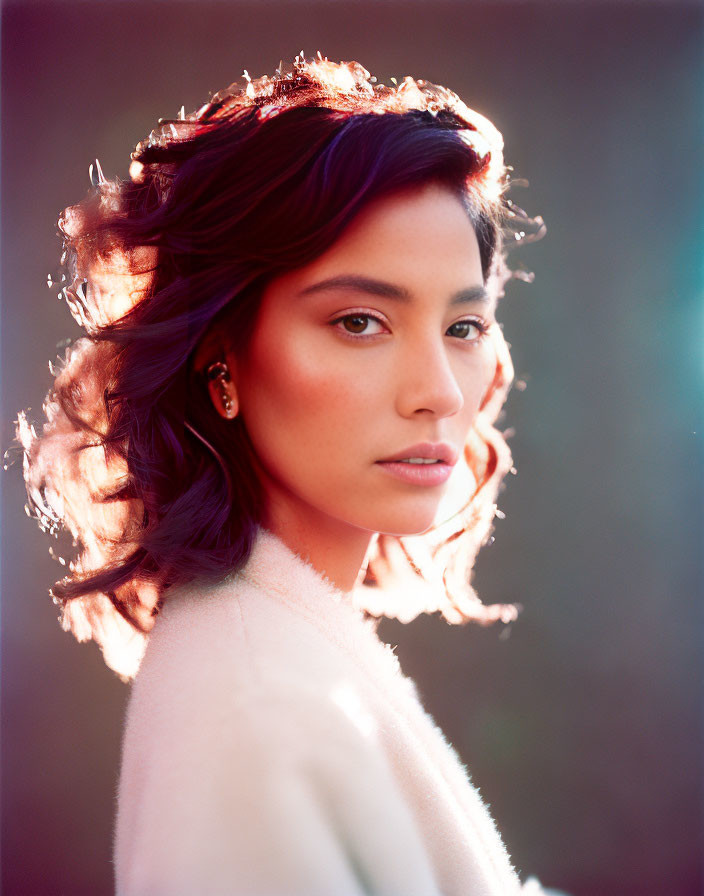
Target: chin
{"points": [[414, 522]]}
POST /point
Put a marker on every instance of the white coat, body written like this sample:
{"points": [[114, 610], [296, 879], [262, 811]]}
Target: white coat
{"points": [[273, 747]]}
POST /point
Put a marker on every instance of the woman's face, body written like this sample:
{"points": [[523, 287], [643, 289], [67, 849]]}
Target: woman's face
{"points": [[367, 367]]}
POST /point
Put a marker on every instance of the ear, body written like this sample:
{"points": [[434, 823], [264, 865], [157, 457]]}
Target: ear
{"points": [[222, 388], [216, 365]]}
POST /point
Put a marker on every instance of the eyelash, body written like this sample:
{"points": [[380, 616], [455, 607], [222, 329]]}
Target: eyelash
{"points": [[481, 326]]}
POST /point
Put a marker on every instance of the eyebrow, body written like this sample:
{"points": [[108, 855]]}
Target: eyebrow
{"points": [[389, 290]]}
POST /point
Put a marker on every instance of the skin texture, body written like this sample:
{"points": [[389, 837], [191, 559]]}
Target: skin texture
{"points": [[325, 397]]}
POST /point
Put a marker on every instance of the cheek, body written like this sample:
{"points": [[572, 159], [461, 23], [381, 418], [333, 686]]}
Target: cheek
{"points": [[303, 402], [476, 379]]}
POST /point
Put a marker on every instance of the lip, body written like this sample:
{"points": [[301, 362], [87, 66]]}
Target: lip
{"points": [[431, 450], [421, 474]]}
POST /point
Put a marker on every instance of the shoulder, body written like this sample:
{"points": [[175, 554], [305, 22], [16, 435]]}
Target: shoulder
{"points": [[229, 674], [234, 688], [215, 643], [251, 755], [286, 789]]}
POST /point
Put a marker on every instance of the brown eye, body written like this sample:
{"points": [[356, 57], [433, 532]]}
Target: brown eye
{"points": [[469, 330], [355, 323], [359, 324]]}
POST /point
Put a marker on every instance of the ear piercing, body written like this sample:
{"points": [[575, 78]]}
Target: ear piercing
{"points": [[218, 370]]}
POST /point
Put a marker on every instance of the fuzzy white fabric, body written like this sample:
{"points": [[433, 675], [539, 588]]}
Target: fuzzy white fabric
{"points": [[273, 747]]}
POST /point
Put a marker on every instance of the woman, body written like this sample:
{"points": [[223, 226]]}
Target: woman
{"points": [[278, 428]]}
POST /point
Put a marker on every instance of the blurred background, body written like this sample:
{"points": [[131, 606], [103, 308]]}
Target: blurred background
{"points": [[581, 724]]}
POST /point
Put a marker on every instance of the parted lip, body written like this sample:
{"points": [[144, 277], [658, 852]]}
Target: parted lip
{"points": [[432, 450]]}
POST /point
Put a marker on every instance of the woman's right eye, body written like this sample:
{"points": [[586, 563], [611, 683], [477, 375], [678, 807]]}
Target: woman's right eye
{"points": [[359, 324]]}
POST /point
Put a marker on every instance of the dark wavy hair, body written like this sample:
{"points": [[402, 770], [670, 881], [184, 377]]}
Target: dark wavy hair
{"points": [[153, 487]]}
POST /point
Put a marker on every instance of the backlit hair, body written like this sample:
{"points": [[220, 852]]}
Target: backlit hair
{"points": [[155, 489]]}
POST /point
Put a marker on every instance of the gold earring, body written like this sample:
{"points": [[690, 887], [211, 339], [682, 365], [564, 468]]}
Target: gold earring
{"points": [[218, 370]]}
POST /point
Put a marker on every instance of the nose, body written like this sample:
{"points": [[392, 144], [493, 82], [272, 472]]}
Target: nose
{"points": [[427, 384]]}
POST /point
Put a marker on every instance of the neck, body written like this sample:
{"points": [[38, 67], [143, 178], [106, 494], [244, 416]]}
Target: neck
{"points": [[334, 548]]}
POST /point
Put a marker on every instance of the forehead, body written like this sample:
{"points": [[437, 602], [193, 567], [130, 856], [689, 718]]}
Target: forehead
{"points": [[421, 236]]}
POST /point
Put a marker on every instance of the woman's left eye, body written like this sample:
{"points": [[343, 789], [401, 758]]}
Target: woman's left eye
{"points": [[468, 330]]}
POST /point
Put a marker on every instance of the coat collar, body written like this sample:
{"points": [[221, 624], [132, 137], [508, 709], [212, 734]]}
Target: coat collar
{"points": [[276, 569]]}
